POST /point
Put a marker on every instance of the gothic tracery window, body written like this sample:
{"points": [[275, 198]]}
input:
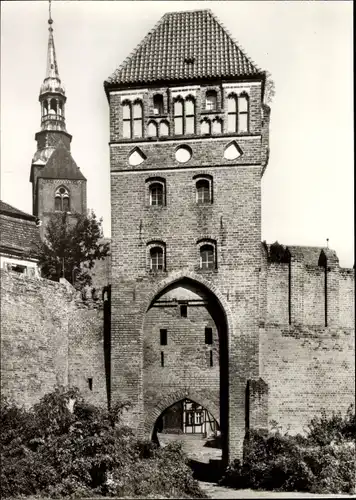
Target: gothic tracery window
{"points": [[62, 200]]}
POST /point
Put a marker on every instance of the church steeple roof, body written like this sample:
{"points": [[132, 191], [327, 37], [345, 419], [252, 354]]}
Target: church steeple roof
{"points": [[52, 82]]}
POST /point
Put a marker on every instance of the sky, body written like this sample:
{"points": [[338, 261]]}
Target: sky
{"points": [[307, 188]]}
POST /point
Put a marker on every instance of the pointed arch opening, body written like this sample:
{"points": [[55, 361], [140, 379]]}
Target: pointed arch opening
{"points": [[62, 200], [194, 370]]}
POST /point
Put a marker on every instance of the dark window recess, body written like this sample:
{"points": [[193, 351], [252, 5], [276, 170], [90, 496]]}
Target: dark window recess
{"points": [[183, 311], [208, 336], [162, 358], [163, 337], [211, 358], [90, 384]]}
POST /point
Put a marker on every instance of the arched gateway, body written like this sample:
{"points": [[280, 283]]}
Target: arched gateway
{"points": [[185, 359]]}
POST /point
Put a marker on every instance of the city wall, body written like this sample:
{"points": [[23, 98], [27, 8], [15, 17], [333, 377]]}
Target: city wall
{"points": [[50, 336]]}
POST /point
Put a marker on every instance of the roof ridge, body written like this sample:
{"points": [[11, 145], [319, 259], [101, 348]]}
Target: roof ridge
{"points": [[236, 42], [178, 33]]}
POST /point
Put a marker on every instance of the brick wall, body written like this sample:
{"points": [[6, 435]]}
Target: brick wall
{"points": [[231, 222], [308, 366], [187, 358], [307, 370], [48, 337]]}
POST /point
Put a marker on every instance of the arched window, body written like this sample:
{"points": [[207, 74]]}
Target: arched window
{"points": [[203, 192], [158, 106], [137, 119], [232, 113], [184, 116], [163, 129], [62, 200], [126, 120], [243, 119], [152, 129], [189, 116], [156, 259], [207, 257], [60, 108], [178, 117], [205, 127], [53, 106], [217, 126], [211, 100], [45, 107], [156, 194]]}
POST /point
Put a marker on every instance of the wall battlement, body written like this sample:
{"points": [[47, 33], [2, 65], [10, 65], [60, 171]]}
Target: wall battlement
{"points": [[305, 286]]}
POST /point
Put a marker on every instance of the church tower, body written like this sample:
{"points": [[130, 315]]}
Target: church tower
{"points": [[57, 182]]}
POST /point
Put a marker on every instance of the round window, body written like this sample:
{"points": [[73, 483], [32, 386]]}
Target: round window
{"points": [[62, 190], [183, 154]]}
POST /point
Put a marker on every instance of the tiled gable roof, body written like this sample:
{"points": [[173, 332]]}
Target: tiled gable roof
{"points": [[180, 37], [11, 211], [19, 234], [61, 166]]}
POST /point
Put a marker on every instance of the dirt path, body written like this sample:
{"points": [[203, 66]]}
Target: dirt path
{"points": [[215, 491]]}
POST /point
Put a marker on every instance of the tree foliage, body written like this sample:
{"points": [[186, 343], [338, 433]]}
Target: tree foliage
{"points": [[71, 246], [64, 446]]}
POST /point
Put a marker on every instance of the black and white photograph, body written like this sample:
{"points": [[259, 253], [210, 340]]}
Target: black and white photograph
{"points": [[177, 258]]}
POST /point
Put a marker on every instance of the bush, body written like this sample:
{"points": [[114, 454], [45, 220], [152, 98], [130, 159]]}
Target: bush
{"points": [[321, 462], [64, 446]]}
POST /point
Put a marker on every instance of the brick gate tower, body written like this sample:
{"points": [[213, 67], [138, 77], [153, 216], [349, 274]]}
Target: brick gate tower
{"points": [[57, 182], [188, 147]]}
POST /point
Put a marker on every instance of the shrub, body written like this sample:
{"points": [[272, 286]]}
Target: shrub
{"points": [[321, 462], [64, 446]]}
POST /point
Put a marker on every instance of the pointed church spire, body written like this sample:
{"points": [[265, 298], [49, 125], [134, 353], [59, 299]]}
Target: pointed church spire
{"points": [[52, 93], [52, 81], [52, 67]]}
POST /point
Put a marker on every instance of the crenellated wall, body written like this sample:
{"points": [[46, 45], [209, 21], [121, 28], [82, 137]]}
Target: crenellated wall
{"points": [[50, 335], [307, 343]]}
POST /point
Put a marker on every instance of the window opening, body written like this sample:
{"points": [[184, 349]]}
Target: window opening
{"points": [[152, 129], [243, 113], [162, 358], [231, 113], [137, 119], [178, 117], [163, 336], [53, 106], [126, 120], [156, 258], [207, 257], [158, 108], [217, 126], [189, 116], [211, 358], [203, 191], [62, 200], [90, 383], [183, 311], [211, 100], [156, 194], [205, 127], [163, 129], [209, 336]]}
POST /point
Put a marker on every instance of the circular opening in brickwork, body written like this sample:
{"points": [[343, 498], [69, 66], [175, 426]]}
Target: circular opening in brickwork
{"points": [[183, 154]]}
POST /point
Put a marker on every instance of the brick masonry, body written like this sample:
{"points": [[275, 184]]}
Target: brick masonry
{"points": [[251, 300], [49, 336]]}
